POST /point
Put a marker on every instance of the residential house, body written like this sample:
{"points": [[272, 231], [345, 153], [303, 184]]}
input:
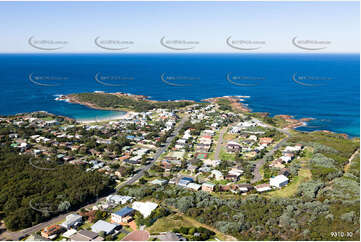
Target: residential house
{"points": [[72, 220], [233, 146], [295, 148], [213, 163], [52, 231], [208, 187], [208, 132], [102, 225], [159, 182], [85, 235], [166, 164], [285, 172], [117, 199], [279, 181], [217, 175], [124, 215], [204, 169], [265, 140], [69, 233], [200, 147], [252, 137], [263, 188], [194, 186], [192, 168], [145, 208], [285, 158], [185, 181], [277, 164], [245, 187]]}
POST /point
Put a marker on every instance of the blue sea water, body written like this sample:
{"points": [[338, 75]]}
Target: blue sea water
{"points": [[322, 86]]}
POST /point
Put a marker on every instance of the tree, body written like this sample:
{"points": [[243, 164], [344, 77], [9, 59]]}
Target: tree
{"points": [[102, 234]]}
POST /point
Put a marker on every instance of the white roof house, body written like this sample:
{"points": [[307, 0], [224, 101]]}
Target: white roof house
{"points": [[208, 132], [69, 233], [160, 182], [102, 225], [213, 163], [194, 186], [279, 181], [145, 208], [292, 148], [285, 158], [252, 137], [233, 143], [118, 199], [217, 175], [236, 172], [71, 220]]}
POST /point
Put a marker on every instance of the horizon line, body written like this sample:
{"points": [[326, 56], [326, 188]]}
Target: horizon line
{"points": [[175, 53]]}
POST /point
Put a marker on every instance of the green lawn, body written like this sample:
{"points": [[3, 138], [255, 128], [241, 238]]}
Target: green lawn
{"points": [[167, 224], [304, 174], [120, 236]]}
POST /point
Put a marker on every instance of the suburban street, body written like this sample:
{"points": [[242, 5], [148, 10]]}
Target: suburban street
{"points": [[18, 234], [219, 143], [137, 176], [259, 163]]}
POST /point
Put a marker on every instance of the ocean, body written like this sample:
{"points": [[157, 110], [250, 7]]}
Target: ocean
{"points": [[325, 87]]}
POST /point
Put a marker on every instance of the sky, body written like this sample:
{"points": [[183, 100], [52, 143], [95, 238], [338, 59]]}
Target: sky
{"points": [[138, 27]]}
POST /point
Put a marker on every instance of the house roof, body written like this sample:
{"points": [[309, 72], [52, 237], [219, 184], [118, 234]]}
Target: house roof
{"points": [[145, 208], [233, 143], [69, 233], [139, 235], [186, 179], [72, 218], [88, 234], [84, 235], [194, 186], [208, 184], [279, 179], [101, 225], [124, 211]]}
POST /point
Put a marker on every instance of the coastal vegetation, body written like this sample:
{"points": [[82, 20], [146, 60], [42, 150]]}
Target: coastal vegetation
{"points": [[30, 195], [123, 102], [260, 218]]}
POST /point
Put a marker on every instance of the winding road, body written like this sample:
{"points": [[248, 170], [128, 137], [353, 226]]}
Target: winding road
{"points": [[259, 163]]}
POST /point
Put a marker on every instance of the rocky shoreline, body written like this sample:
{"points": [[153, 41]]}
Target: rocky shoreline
{"points": [[235, 103]]}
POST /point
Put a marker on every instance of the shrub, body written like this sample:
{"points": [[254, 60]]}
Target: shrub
{"points": [[348, 217], [309, 189]]}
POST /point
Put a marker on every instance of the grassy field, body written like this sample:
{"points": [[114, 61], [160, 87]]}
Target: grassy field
{"points": [[178, 220], [223, 155], [167, 224], [195, 223], [304, 174], [228, 137]]}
